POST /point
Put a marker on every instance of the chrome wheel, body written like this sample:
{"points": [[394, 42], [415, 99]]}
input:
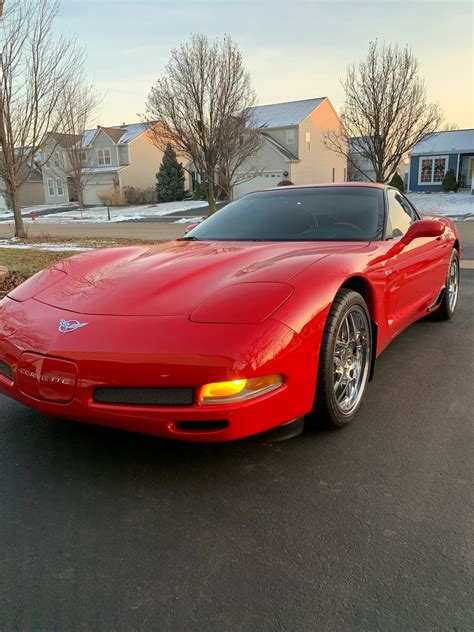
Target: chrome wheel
{"points": [[453, 284], [351, 359]]}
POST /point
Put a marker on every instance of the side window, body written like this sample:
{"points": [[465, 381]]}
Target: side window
{"points": [[407, 206], [399, 218]]}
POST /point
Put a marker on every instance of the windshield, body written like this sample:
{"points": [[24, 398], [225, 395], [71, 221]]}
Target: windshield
{"points": [[299, 214]]}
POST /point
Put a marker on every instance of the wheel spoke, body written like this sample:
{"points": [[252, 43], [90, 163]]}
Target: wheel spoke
{"points": [[342, 393]]}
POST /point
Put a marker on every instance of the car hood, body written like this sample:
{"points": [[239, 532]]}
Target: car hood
{"points": [[174, 278]]}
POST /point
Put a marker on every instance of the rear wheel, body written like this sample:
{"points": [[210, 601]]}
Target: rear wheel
{"points": [[451, 293], [344, 363]]}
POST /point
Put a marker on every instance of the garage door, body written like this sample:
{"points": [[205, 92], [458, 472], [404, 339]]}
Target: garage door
{"points": [[92, 192], [265, 181]]}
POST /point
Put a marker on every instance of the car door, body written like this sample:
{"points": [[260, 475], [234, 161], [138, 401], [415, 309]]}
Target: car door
{"points": [[418, 270]]}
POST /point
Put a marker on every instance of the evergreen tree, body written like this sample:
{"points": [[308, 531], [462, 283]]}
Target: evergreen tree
{"points": [[170, 178], [397, 182], [449, 181]]}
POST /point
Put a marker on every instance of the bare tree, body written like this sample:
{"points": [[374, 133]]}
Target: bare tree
{"points": [[203, 93], [35, 69], [450, 127], [385, 114], [78, 103], [240, 144]]}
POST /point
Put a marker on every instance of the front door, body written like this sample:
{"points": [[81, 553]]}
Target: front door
{"points": [[418, 270]]}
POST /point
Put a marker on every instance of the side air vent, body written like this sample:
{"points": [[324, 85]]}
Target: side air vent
{"points": [[6, 370], [145, 396]]}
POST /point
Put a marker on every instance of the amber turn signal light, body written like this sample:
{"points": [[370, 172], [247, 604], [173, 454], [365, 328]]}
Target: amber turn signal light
{"points": [[238, 390]]}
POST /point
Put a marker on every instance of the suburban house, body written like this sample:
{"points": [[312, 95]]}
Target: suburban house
{"points": [[293, 146], [113, 157], [438, 152], [31, 191]]}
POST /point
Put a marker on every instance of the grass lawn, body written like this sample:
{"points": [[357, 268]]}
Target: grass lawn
{"points": [[28, 262]]}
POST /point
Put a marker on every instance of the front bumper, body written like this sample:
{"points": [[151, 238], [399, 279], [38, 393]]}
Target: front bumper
{"points": [[153, 352]]}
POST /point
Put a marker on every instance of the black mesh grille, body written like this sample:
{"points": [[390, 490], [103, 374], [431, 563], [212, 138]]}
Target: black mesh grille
{"points": [[201, 426], [145, 396], [6, 370]]}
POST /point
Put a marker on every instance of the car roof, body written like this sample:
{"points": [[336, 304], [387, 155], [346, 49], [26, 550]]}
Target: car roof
{"points": [[370, 185]]}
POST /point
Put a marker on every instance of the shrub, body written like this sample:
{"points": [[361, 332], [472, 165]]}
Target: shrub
{"points": [[397, 182], [449, 181], [112, 197], [135, 196]]}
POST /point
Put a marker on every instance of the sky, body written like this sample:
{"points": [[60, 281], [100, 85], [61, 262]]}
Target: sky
{"points": [[292, 49]]}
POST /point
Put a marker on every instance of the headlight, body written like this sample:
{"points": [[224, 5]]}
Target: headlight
{"points": [[238, 390]]}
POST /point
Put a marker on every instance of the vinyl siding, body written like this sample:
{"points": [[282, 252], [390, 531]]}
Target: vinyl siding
{"points": [[316, 166], [415, 167], [280, 136], [145, 160], [31, 194], [102, 141], [269, 163], [55, 173]]}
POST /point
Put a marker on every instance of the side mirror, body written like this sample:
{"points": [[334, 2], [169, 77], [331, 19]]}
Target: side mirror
{"points": [[190, 227], [424, 228]]}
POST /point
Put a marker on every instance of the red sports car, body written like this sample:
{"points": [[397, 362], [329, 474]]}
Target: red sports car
{"points": [[272, 309]]}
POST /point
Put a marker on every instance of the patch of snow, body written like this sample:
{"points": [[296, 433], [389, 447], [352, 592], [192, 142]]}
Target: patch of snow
{"points": [[7, 243], [459, 206], [27, 210], [99, 215], [188, 220]]}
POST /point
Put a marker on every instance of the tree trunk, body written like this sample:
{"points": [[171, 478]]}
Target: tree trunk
{"points": [[16, 208], [210, 194], [80, 195]]}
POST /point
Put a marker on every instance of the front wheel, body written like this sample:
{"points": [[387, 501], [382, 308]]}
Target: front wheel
{"points": [[344, 363], [451, 293]]}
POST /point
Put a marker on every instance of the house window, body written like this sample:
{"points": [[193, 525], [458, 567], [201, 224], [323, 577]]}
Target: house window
{"points": [[104, 157], [308, 141], [51, 189], [83, 156], [290, 136], [60, 188], [432, 169], [56, 160]]}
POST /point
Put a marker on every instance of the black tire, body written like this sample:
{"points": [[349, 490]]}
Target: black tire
{"points": [[447, 308], [326, 411]]}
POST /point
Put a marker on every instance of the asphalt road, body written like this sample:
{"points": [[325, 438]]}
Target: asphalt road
{"points": [[365, 529]]}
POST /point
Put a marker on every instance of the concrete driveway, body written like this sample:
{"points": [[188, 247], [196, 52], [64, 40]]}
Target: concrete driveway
{"points": [[365, 529]]}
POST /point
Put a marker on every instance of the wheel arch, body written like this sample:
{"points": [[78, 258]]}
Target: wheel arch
{"points": [[362, 286]]}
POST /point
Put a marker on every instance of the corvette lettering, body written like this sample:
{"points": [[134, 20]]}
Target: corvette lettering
{"points": [[46, 378]]}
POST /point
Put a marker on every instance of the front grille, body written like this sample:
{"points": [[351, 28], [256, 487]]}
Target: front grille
{"points": [[145, 396], [6, 370]]}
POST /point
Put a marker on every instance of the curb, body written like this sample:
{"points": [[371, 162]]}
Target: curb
{"points": [[467, 264]]}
